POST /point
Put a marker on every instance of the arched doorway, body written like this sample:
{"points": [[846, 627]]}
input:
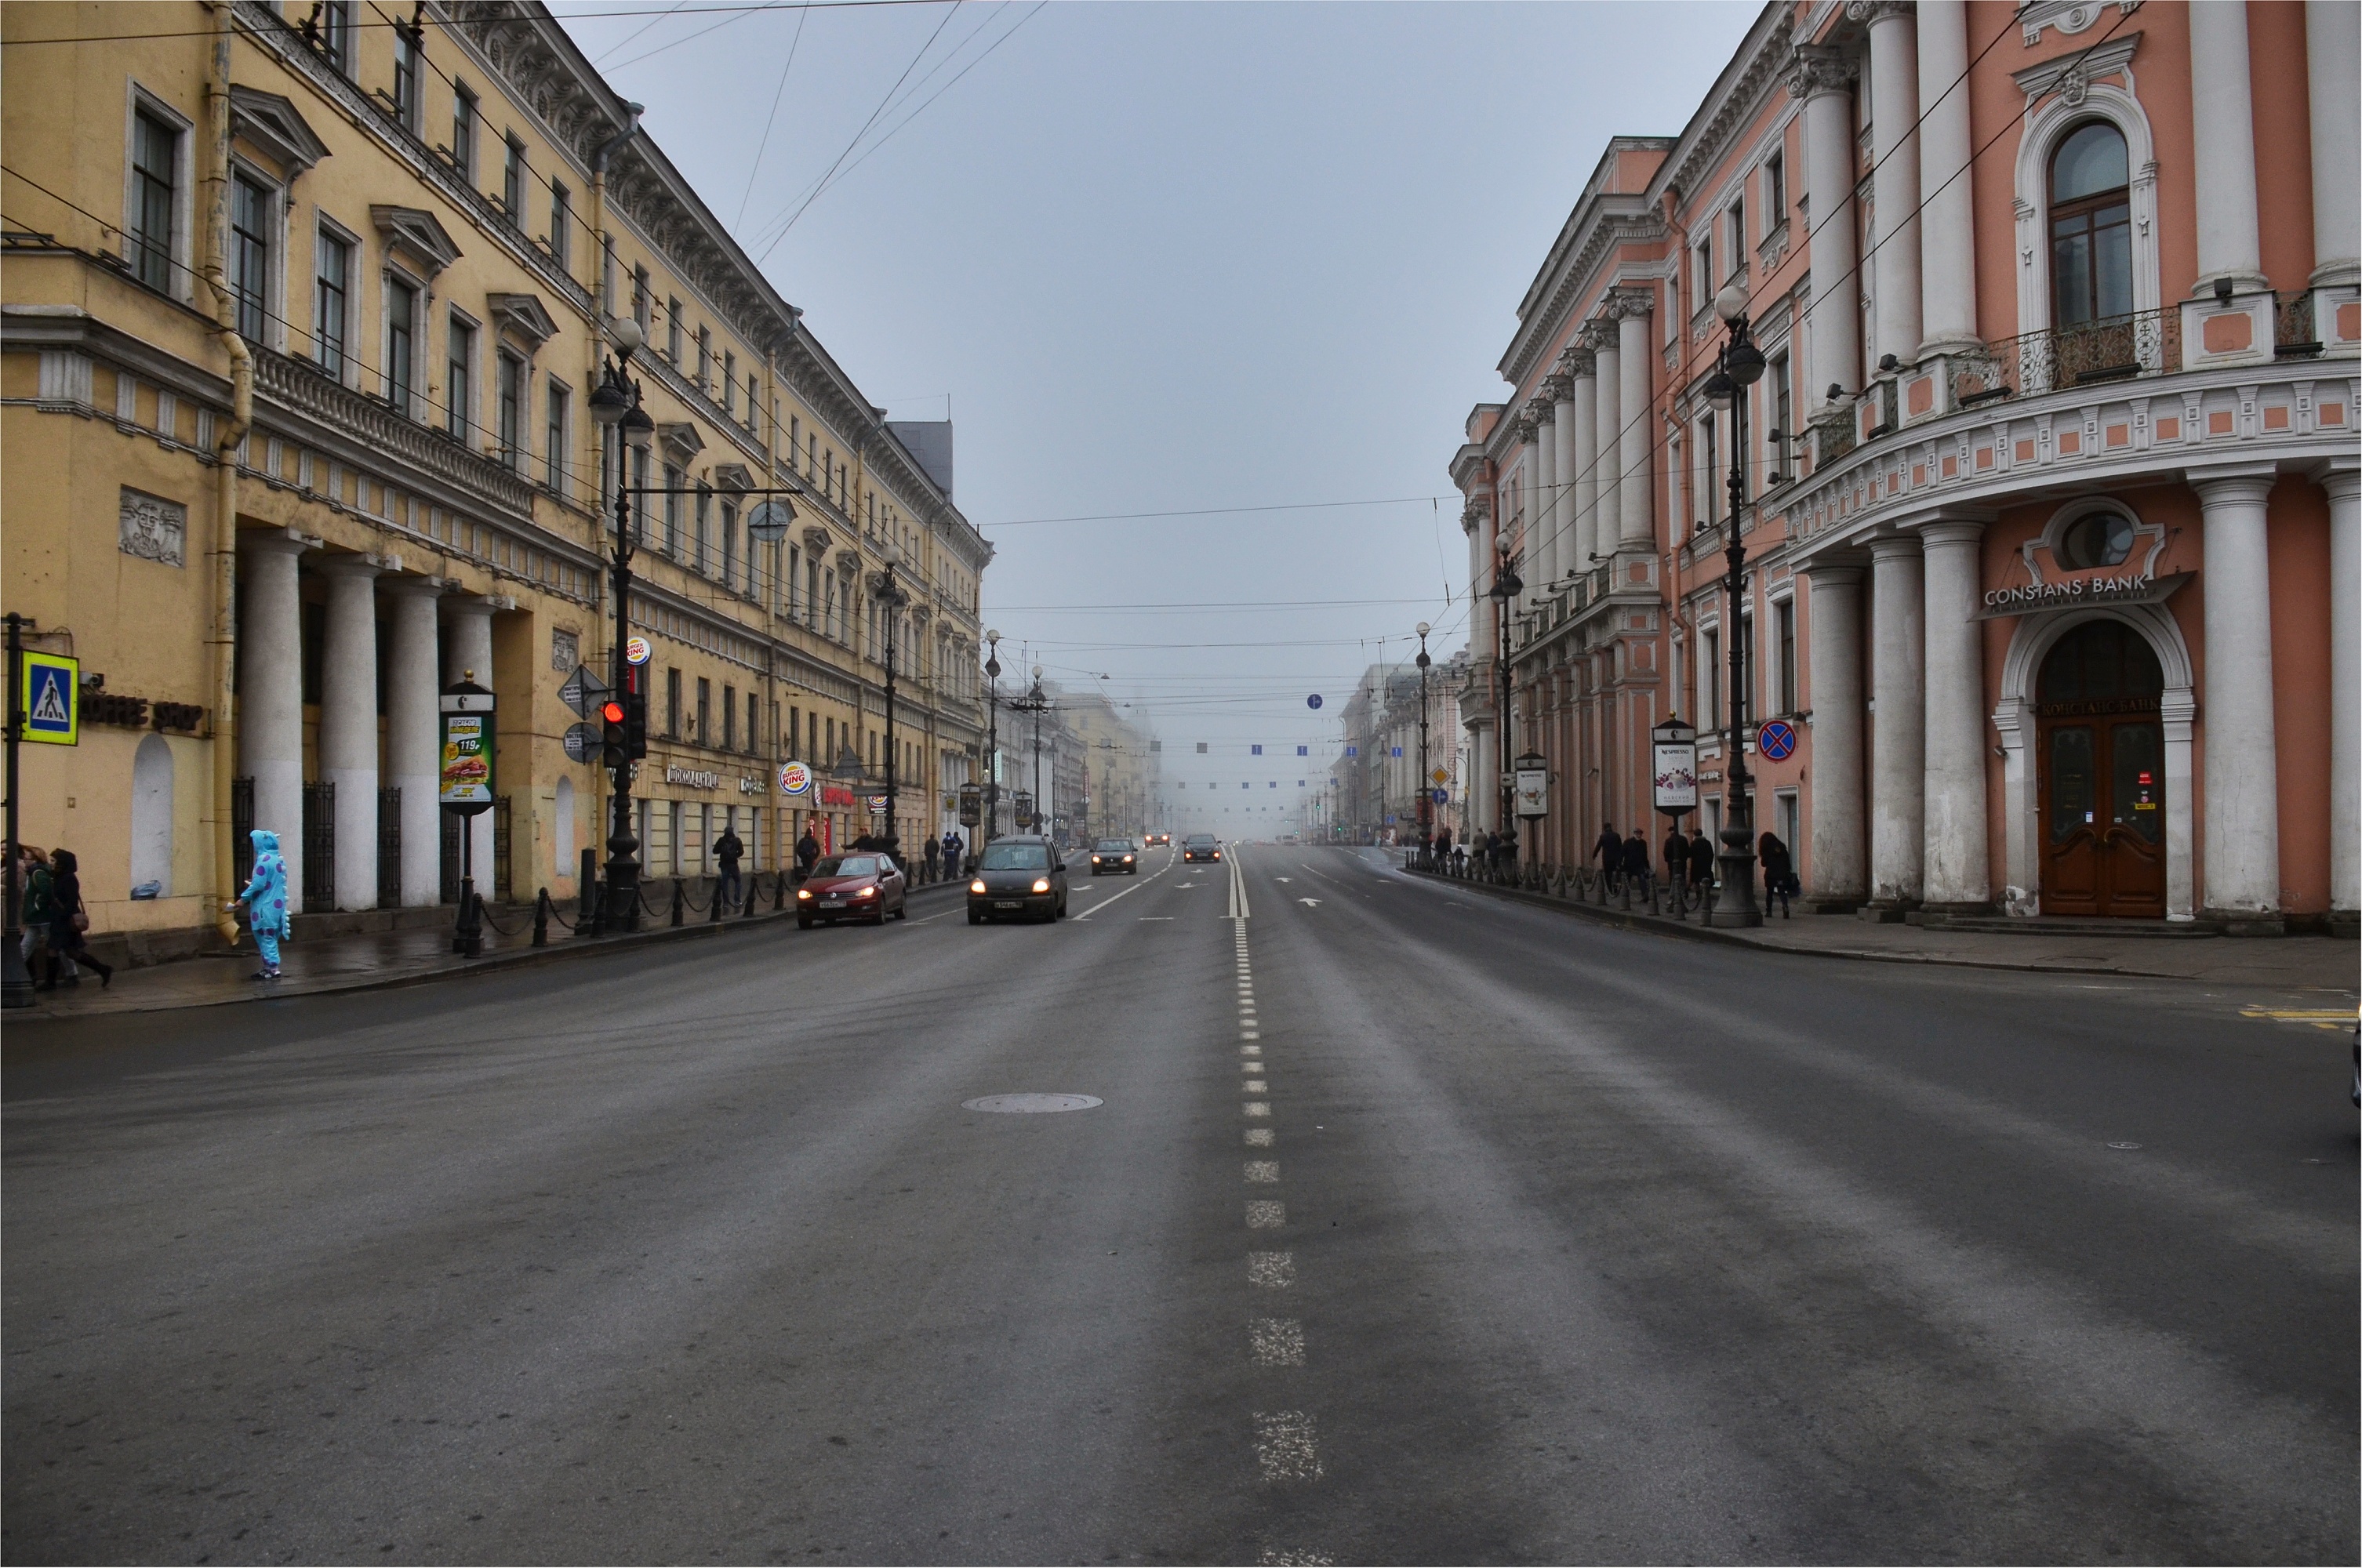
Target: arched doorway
{"points": [[151, 816], [2100, 757]]}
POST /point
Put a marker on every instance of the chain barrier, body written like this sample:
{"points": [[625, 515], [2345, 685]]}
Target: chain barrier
{"points": [[484, 913]]}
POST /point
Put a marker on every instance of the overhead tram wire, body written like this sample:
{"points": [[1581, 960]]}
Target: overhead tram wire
{"points": [[601, 15], [778, 95], [627, 38]]}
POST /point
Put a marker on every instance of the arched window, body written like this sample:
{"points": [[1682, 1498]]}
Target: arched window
{"points": [[151, 816], [567, 854], [2090, 227]]}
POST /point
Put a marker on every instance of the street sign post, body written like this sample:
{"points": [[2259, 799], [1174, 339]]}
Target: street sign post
{"points": [[51, 700], [1673, 767], [464, 788], [582, 691], [582, 742]]}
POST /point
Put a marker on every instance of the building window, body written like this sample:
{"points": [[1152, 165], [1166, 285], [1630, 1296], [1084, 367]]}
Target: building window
{"points": [[553, 421], [1709, 678], [2090, 227], [1706, 512], [508, 422], [1704, 285], [155, 163], [405, 78], [1750, 667], [639, 498], [251, 222], [672, 478], [1737, 219], [672, 330], [2101, 539], [1775, 191], [513, 181], [704, 735], [753, 734], [704, 357], [730, 718], [400, 336], [672, 704], [729, 544], [730, 383], [561, 219], [754, 400], [463, 132], [1784, 411], [458, 381], [336, 33], [640, 302], [332, 299], [1783, 626]]}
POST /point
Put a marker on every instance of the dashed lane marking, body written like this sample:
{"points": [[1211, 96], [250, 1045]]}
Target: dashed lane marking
{"points": [[1262, 1170], [1258, 1137], [1266, 1214], [1258, 1108], [1288, 1448], [1271, 1271], [1275, 1341]]}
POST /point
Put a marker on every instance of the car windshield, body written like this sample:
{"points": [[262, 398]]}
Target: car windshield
{"points": [[1200, 840], [1114, 845], [1017, 857], [848, 865]]}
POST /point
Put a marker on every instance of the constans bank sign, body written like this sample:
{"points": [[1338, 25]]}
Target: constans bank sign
{"points": [[2035, 596]]}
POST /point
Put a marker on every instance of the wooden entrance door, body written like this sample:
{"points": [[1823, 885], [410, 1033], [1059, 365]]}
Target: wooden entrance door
{"points": [[2100, 749]]}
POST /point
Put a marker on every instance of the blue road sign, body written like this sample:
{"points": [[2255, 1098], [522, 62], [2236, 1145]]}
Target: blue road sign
{"points": [[1776, 740], [1313, 701], [1442, 797]]}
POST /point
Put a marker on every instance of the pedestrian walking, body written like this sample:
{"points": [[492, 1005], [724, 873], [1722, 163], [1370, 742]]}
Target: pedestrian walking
{"points": [[1492, 850], [954, 847], [806, 853], [1778, 872], [1677, 857], [1608, 850], [1701, 860], [932, 851], [265, 899], [1636, 862], [729, 851], [68, 921], [35, 907]]}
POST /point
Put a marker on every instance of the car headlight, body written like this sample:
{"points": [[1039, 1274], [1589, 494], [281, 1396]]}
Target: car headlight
{"points": [[976, 886], [1040, 884], [865, 892], [1127, 860], [803, 892]]}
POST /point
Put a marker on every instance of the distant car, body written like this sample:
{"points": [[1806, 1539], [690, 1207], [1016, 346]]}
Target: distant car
{"points": [[1018, 878], [1160, 840], [1120, 856], [852, 887], [1201, 846]]}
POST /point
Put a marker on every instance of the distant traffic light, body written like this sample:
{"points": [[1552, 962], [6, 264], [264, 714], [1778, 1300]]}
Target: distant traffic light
{"points": [[614, 747]]}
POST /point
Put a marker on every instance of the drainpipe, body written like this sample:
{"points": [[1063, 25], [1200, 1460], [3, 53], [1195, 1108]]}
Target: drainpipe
{"points": [[222, 634]]}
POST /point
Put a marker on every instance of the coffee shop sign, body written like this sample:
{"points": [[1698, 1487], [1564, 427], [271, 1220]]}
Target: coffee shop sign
{"points": [[695, 778]]}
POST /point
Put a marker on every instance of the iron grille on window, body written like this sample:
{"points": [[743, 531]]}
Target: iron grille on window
{"points": [[319, 848]]}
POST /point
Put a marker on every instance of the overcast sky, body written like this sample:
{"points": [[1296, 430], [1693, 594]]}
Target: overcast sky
{"points": [[1158, 257]]}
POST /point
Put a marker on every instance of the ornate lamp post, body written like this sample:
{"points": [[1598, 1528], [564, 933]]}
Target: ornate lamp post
{"points": [[992, 741], [890, 595], [1426, 787], [615, 405], [1739, 366], [1507, 586]]}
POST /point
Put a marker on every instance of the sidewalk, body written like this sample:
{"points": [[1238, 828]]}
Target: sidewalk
{"points": [[2306, 963], [375, 960]]}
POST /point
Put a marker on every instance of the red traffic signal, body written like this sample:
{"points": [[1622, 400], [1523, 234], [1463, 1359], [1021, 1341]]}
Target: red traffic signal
{"points": [[612, 712]]}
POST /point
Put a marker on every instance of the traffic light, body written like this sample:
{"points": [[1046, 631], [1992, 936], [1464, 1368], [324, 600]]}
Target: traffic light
{"points": [[635, 723], [613, 750]]}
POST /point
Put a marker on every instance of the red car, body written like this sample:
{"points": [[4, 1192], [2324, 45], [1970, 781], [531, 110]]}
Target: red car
{"points": [[852, 887]]}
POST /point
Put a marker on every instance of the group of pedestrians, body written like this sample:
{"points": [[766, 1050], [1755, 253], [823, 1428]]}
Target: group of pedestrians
{"points": [[1689, 861], [55, 947]]}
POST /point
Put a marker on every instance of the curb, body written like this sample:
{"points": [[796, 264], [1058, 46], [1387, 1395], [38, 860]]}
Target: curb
{"points": [[1657, 924]]}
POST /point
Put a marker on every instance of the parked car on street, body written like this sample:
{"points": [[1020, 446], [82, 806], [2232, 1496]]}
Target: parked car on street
{"points": [[852, 887], [1119, 857], [1201, 846], [1018, 878]]}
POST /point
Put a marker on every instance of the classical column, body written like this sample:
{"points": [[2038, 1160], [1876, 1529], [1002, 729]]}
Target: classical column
{"points": [[271, 694], [1834, 694], [1894, 155], [2332, 47], [2225, 167], [1957, 875], [2344, 689], [471, 649], [1822, 77], [1530, 491], [348, 723], [1607, 520], [412, 736], [1542, 529], [1585, 432], [1898, 755], [1636, 527], [2242, 835], [1948, 253], [1565, 561]]}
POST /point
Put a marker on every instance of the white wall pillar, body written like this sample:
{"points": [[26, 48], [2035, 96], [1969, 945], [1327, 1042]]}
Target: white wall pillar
{"points": [[2242, 814], [413, 732], [1824, 78], [271, 694], [2332, 71], [2228, 243], [1637, 445], [472, 648], [1959, 875], [1530, 491], [1608, 423], [349, 723], [1899, 753], [2344, 689], [1895, 154], [1565, 561], [1585, 430], [1833, 692], [1541, 539], [1948, 250]]}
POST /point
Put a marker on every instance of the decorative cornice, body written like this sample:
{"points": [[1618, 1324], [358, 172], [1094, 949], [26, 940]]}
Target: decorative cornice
{"points": [[522, 315], [1577, 358], [270, 123], [1869, 13], [414, 231], [1734, 104], [1821, 68], [2072, 75]]}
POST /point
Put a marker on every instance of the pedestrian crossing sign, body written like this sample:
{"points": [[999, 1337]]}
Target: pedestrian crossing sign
{"points": [[48, 698]]}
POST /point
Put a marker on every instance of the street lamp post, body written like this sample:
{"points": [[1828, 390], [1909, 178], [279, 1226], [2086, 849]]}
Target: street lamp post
{"points": [[992, 741], [891, 595], [1739, 366], [615, 405], [1426, 786], [1507, 586]]}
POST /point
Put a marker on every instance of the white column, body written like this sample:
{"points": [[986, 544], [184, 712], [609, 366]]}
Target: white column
{"points": [[471, 649], [2242, 835], [1585, 430], [1899, 751], [2344, 689], [2225, 167], [349, 723], [1947, 255], [1637, 517], [1894, 153], [2332, 71], [1541, 540], [411, 734], [1823, 78], [1958, 872], [1608, 421], [1530, 491], [1833, 691], [271, 695], [1569, 468]]}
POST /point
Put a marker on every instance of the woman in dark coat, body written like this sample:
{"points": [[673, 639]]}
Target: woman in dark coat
{"points": [[1701, 861], [1778, 870], [66, 923]]}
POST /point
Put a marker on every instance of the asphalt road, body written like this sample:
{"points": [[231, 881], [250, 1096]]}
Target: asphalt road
{"points": [[1414, 1226]]}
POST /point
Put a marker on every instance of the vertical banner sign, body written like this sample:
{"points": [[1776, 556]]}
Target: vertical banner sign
{"points": [[51, 700], [464, 786], [1532, 787], [1675, 775]]}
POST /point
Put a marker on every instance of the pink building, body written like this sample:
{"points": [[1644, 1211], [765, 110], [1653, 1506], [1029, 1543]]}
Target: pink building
{"points": [[2053, 495]]}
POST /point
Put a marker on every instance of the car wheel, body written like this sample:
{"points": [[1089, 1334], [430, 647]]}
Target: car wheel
{"points": [[975, 917], [803, 923]]}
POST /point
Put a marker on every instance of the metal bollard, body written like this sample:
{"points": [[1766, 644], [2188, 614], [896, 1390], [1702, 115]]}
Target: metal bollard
{"points": [[713, 914], [541, 919], [588, 882], [778, 891], [679, 902]]}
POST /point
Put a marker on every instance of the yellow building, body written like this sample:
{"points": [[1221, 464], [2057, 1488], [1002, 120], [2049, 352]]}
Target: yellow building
{"points": [[301, 310]]}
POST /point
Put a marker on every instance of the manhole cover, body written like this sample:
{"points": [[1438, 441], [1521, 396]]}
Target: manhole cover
{"points": [[1033, 1102]]}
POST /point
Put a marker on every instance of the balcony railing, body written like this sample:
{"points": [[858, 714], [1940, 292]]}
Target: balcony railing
{"points": [[2117, 348]]}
